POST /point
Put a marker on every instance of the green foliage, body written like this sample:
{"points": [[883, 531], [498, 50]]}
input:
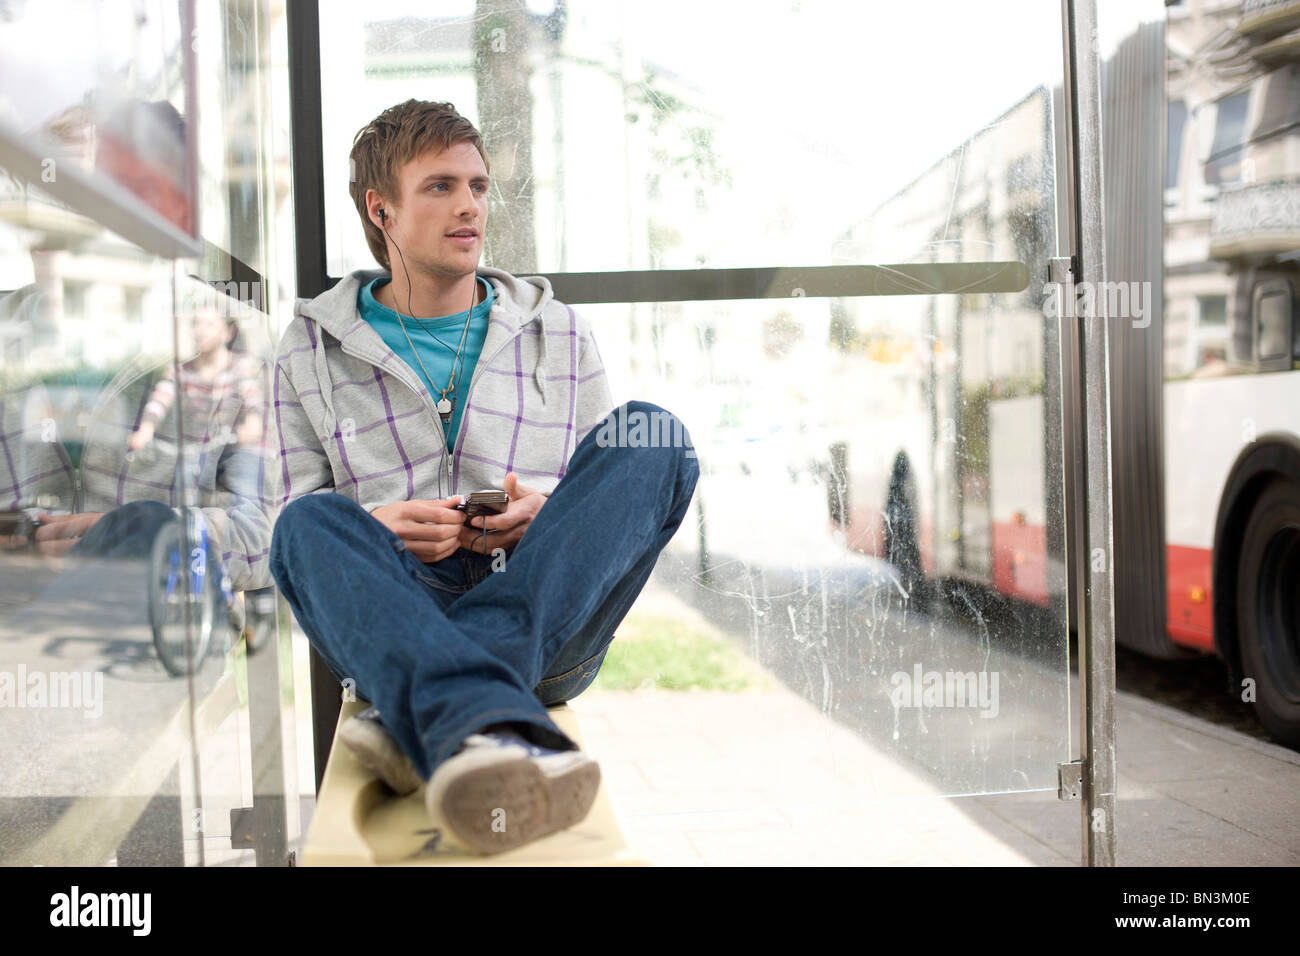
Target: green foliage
{"points": [[781, 333], [695, 152], [671, 654], [843, 331], [663, 237], [80, 374]]}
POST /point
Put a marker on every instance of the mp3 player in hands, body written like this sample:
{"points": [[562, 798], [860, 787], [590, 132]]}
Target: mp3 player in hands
{"points": [[490, 502]]}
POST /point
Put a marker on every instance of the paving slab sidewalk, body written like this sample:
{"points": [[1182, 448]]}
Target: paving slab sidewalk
{"points": [[764, 778]]}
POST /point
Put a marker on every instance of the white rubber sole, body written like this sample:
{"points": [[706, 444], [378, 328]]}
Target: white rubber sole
{"points": [[377, 751], [507, 804]]}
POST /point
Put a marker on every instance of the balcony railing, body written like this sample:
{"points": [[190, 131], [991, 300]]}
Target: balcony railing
{"points": [[1258, 218], [1268, 17]]}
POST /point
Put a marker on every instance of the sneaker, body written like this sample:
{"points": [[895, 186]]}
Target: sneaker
{"points": [[499, 791], [377, 751]]}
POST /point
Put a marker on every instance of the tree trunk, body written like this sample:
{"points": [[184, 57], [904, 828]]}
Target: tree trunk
{"points": [[502, 71]]}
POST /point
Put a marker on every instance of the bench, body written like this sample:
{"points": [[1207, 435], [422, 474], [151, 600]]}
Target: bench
{"points": [[360, 822]]}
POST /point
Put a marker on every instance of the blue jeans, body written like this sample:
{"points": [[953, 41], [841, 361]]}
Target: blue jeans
{"points": [[125, 532], [446, 649]]}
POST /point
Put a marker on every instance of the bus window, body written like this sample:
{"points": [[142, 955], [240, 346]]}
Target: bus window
{"points": [[1177, 122], [1208, 344], [1224, 165], [1272, 313]]}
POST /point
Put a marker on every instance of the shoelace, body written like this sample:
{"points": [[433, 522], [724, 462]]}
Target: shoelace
{"points": [[499, 739]]}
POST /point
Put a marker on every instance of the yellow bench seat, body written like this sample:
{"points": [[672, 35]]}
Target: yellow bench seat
{"points": [[360, 822]]}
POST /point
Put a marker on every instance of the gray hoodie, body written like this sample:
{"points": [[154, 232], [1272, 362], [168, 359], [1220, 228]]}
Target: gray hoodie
{"points": [[351, 417]]}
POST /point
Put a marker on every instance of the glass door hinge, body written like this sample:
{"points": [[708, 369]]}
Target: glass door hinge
{"points": [[1061, 270], [1069, 780]]}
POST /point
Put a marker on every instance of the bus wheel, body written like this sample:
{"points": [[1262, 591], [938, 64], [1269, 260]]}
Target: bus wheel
{"points": [[1268, 609], [901, 547]]}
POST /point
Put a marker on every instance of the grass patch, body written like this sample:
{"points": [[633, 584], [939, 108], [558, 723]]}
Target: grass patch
{"points": [[671, 654]]}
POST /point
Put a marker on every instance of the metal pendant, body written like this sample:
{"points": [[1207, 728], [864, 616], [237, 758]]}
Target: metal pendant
{"points": [[444, 407]]}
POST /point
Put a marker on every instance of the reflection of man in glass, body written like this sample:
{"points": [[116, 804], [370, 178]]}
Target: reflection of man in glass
{"points": [[109, 495], [215, 375]]}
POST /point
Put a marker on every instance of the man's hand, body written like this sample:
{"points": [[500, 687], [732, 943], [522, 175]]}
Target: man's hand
{"points": [[430, 528], [504, 530], [58, 534], [140, 437]]}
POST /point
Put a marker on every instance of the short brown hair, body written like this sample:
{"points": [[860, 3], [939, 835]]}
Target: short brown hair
{"points": [[391, 140]]}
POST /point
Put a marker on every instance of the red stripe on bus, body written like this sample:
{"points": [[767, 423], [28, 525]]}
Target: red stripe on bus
{"points": [[1190, 622], [1020, 560], [865, 531], [1020, 571], [866, 534]]}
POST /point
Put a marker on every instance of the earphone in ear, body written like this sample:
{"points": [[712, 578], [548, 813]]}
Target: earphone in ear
{"points": [[383, 217]]}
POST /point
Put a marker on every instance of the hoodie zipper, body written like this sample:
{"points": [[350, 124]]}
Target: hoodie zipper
{"points": [[426, 398], [477, 376], [421, 393]]}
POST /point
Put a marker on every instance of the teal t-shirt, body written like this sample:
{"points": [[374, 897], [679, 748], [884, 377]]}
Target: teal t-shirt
{"points": [[435, 340]]}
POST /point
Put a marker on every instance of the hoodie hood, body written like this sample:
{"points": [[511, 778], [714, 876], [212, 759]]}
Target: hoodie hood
{"points": [[332, 368], [518, 302], [526, 299]]}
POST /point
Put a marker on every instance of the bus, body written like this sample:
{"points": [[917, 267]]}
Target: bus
{"points": [[1201, 166]]}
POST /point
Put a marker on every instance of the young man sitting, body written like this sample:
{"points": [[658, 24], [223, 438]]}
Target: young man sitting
{"points": [[396, 394]]}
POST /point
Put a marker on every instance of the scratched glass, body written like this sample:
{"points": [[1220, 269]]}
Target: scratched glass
{"points": [[148, 698], [878, 528]]}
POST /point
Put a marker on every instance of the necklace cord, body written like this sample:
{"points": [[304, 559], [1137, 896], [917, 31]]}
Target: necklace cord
{"points": [[458, 361]]}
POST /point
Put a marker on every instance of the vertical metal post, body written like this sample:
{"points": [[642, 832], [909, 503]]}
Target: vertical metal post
{"points": [[270, 787], [302, 17], [1097, 612], [303, 21]]}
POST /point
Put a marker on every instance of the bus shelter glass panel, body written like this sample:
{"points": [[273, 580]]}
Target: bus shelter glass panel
{"points": [[1202, 183], [141, 700], [877, 534]]}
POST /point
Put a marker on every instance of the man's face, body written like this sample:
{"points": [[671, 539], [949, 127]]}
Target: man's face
{"points": [[209, 330], [439, 225]]}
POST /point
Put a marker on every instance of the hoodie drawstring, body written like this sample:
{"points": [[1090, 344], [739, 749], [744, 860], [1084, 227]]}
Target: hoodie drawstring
{"points": [[538, 377], [338, 312], [326, 383]]}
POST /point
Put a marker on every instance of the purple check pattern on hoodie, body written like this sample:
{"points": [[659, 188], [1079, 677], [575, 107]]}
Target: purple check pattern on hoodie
{"points": [[352, 418]]}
